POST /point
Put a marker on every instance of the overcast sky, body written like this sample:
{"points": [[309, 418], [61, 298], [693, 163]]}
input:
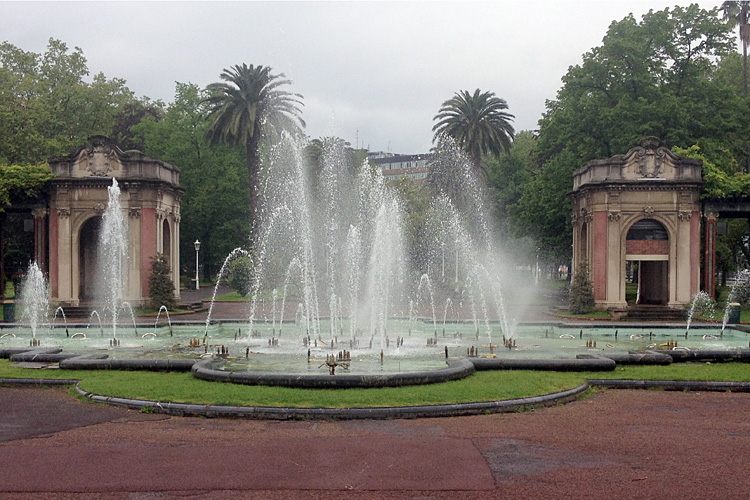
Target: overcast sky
{"points": [[373, 73]]}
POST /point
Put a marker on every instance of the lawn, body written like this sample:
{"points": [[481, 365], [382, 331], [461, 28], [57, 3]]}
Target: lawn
{"points": [[482, 386]]}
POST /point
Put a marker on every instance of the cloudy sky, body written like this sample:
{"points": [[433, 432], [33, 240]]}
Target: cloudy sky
{"points": [[374, 73]]}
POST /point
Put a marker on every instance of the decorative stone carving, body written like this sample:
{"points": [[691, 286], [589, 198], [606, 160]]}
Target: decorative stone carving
{"points": [[586, 216], [711, 215], [649, 210], [614, 216], [99, 208], [650, 158], [134, 212], [39, 213], [685, 215], [63, 212]]}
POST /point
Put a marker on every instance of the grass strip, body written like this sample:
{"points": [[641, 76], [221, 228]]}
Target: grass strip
{"points": [[482, 386]]}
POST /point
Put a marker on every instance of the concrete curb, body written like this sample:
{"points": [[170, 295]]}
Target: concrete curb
{"points": [[673, 385], [38, 382], [394, 412], [456, 369], [564, 365], [96, 362]]}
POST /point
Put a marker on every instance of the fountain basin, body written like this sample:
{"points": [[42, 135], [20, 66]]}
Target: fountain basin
{"points": [[271, 357]]}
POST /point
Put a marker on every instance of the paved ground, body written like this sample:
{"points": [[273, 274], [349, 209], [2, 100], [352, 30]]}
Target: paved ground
{"points": [[616, 444]]}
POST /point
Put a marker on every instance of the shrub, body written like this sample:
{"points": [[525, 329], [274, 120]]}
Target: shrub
{"points": [[581, 291], [240, 275], [741, 289], [160, 285]]}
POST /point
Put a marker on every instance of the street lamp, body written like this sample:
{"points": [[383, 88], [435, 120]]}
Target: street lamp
{"points": [[197, 245]]}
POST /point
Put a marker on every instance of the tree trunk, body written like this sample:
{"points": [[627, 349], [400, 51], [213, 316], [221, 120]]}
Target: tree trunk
{"points": [[744, 67], [253, 167]]}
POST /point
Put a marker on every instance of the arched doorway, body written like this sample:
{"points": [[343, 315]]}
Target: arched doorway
{"points": [[88, 241], [647, 252], [166, 242], [583, 247]]}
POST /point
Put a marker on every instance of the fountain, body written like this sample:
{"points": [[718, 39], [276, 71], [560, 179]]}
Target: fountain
{"points": [[34, 300], [741, 280], [331, 257], [113, 254], [354, 270]]}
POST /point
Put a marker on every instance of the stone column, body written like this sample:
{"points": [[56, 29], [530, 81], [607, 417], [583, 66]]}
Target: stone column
{"points": [[40, 237], [62, 279], [2, 259], [176, 255], [709, 277]]}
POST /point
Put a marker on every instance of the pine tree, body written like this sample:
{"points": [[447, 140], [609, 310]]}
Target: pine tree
{"points": [[582, 291], [160, 285]]}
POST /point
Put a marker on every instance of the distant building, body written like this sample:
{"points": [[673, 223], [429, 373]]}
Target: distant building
{"points": [[394, 166]]}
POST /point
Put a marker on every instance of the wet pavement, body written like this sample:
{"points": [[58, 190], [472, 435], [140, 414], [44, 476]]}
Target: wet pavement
{"points": [[615, 444]]}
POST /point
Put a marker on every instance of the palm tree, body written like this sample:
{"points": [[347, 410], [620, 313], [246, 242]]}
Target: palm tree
{"points": [[478, 123], [248, 99], [737, 13]]}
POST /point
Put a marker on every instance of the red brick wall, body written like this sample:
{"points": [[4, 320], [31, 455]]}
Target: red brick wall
{"points": [[600, 255], [647, 247]]}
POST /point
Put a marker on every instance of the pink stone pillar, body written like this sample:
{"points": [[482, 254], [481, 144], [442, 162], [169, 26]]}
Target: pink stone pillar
{"points": [[600, 256]]}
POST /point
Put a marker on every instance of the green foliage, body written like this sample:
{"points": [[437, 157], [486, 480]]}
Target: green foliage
{"points": [[17, 181], [543, 211], [717, 182], [581, 291], [240, 276], [236, 108], [215, 208], [46, 107], [415, 202], [160, 285], [660, 76], [478, 123]]}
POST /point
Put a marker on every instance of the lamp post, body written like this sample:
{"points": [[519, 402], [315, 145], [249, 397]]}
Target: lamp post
{"points": [[197, 245]]}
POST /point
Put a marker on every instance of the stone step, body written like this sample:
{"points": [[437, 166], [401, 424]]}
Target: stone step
{"points": [[654, 313]]}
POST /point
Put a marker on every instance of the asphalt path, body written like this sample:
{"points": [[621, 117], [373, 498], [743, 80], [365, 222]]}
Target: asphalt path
{"points": [[614, 444]]}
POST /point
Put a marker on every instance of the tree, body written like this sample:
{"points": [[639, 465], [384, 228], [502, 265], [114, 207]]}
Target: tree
{"points": [[21, 182], [46, 107], [160, 285], [582, 291], [249, 99], [508, 174], [215, 208], [654, 77], [478, 123], [737, 13], [17, 183], [240, 276]]}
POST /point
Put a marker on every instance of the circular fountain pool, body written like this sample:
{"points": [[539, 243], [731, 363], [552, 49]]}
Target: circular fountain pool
{"points": [[407, 348]]}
